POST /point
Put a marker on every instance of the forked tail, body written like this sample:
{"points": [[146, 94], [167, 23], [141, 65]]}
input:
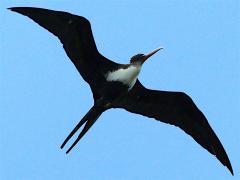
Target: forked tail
{"points": [[90, 118]]}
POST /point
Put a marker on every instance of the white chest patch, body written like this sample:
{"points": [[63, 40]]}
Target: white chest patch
{"points": [[126, 76]]}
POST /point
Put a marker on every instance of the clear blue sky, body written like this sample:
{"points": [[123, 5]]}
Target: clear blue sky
{"points": [[43, 96]]}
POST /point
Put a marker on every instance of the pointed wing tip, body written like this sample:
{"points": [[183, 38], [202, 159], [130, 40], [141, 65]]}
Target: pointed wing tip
{"points": [[11, 8], [229, 166], [223, 158], [16, 9], [22, 10], [226, 162]]}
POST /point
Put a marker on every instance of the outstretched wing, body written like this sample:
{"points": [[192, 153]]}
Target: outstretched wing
{"points": [[76, 36], [178, 109]]}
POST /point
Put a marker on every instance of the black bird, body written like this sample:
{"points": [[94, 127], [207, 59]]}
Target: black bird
{"points": [[116, 85]]}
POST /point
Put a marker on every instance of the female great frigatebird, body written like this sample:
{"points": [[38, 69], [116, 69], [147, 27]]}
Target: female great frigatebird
{"points": [[116, 85]]}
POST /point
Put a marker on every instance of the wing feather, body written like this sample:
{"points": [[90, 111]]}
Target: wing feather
{"points": [[76, 36], [175, 108]]}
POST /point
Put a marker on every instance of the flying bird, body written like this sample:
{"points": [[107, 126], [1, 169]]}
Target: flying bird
{"points": [[116, 85]]}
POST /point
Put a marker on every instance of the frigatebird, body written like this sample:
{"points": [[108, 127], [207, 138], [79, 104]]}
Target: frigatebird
{"points": [[116, 85]]}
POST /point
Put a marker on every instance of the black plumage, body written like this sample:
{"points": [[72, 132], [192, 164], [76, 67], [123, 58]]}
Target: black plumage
{"points": [[175, 108]]}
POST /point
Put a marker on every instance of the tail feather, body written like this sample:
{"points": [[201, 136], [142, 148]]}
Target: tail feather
{"points": [[90, 118], [88, 125]]}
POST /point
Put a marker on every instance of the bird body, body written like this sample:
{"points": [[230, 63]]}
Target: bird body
{"points": [[127, 76], [116, 85]]}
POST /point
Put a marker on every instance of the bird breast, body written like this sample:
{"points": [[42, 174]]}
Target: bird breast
{"points": [[127, 76]]}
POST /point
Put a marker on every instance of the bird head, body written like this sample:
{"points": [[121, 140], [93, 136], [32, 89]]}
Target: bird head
{"points": [[141, 58]]}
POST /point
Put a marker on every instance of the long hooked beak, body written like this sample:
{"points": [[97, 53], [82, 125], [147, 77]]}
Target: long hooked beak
{"points": [[151, 53]]}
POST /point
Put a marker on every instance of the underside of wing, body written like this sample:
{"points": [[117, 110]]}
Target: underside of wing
{"points": [[178, 109], [76, 36]]}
